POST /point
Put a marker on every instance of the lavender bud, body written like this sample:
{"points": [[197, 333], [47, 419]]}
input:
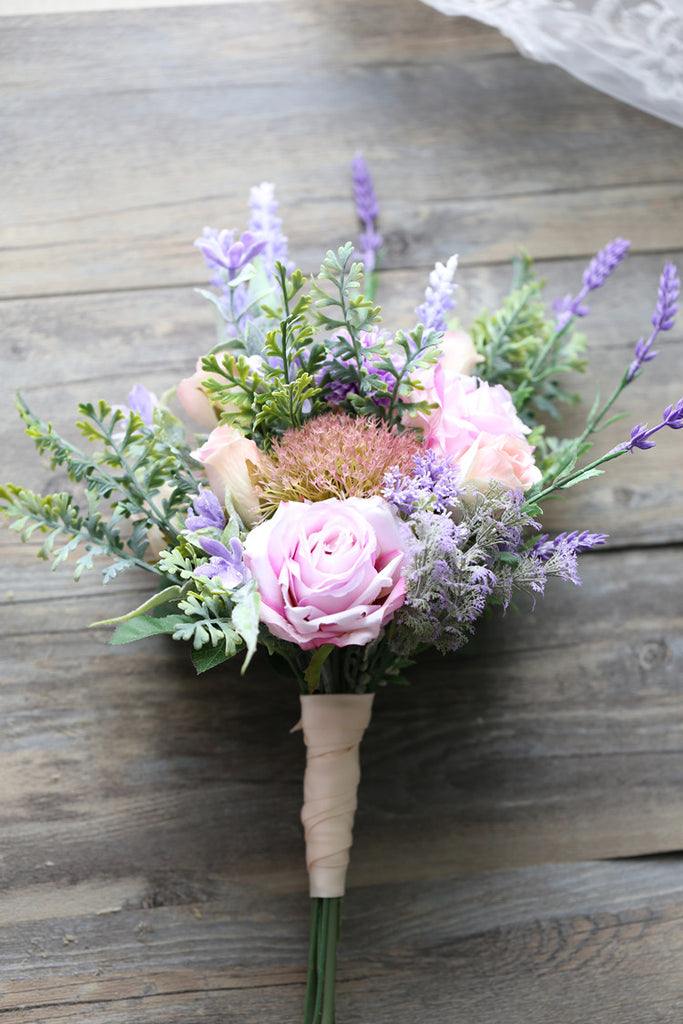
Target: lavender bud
{"points": [[667, 299], [606, 261]]}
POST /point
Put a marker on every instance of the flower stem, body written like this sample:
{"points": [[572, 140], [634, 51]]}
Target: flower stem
{"points": [[322, 959]]}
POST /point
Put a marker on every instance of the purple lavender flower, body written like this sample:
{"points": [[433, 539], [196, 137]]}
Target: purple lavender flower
{"points": [[205, 512], [367, 209], [667, 299], [640, 435], [265, 224], [594, 276], [225, 563], [140, 401], [662, 319], [222, 252], [438, 296], [642, 354]]}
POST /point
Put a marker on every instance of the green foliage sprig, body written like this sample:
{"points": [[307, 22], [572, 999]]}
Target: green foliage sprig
{"points": [[282, 391], [524, 350], [355, 312], [123, 483]]}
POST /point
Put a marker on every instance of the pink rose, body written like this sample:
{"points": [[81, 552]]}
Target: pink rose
{"points": [[328, 572], [468, 406], [227, 456], [502, 458], [458, 357], [458, 354], [195, 400], [476, 424]]}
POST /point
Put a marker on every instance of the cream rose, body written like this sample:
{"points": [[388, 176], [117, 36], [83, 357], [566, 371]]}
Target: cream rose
{"points": [[502, 458], [194, 399], [227, 456]]}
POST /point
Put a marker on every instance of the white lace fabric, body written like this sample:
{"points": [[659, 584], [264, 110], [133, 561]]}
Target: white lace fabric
{"points": [[630, 49]]}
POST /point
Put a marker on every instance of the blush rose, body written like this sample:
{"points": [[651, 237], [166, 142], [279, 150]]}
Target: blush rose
{"points": [[457, 358], [227, 455], [328, 572], [506, 459], [476, 425], [194, 399]]}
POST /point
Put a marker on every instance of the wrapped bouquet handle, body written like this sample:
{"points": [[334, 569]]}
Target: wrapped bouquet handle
{"points": [[333, 726]]}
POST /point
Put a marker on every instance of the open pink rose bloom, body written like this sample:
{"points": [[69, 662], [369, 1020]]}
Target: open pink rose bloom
{"points": [[328, 572], [476, 424]]}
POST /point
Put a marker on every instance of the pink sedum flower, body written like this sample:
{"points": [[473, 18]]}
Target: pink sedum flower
{"points": [[502, 458], [195, 400], [328, 572], [227, 455]]}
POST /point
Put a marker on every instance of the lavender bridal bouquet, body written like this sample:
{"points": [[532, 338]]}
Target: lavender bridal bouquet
{"points": [[351, 496]]}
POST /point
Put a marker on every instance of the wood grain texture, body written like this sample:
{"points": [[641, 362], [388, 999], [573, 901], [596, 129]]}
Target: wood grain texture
{"points": [[184, 110], [151, 858], [563, 943]]}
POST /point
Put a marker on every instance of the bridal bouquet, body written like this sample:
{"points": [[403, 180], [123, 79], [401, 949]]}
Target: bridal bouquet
{"points": [[355, 496]]}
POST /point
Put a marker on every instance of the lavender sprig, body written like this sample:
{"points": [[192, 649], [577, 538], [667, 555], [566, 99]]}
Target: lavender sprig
{"points": [[594, 276], [640, 435], [265, 224], [367, 209], [662, 319], [578, 542], [438, 296], [205, 512]]}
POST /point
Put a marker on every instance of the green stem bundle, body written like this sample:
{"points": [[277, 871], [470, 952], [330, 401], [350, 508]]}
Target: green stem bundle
{"points": [[325, 933]]}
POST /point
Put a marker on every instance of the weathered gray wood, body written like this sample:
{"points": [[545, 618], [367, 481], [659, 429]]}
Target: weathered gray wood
{"points": [[144, 126], [565, 943], [558, 737]]}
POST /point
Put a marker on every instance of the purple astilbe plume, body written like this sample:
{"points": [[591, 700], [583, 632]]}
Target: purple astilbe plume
{"points": [[367, 209], [456, 569], [663, 318], [225, 563], [546, 546], [594, 276], [221, 252], [438, 296], [265, 224], [559, 554], [205, 512], [640, 435], [434, 484]]}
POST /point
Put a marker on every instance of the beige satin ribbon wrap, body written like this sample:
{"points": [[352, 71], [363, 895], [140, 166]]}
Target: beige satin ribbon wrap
{"points": [[333, 726]]}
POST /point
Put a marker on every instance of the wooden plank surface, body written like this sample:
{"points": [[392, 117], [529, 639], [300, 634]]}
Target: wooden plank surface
{"points": [[599, 942], [151, 858], [111, 181]]}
